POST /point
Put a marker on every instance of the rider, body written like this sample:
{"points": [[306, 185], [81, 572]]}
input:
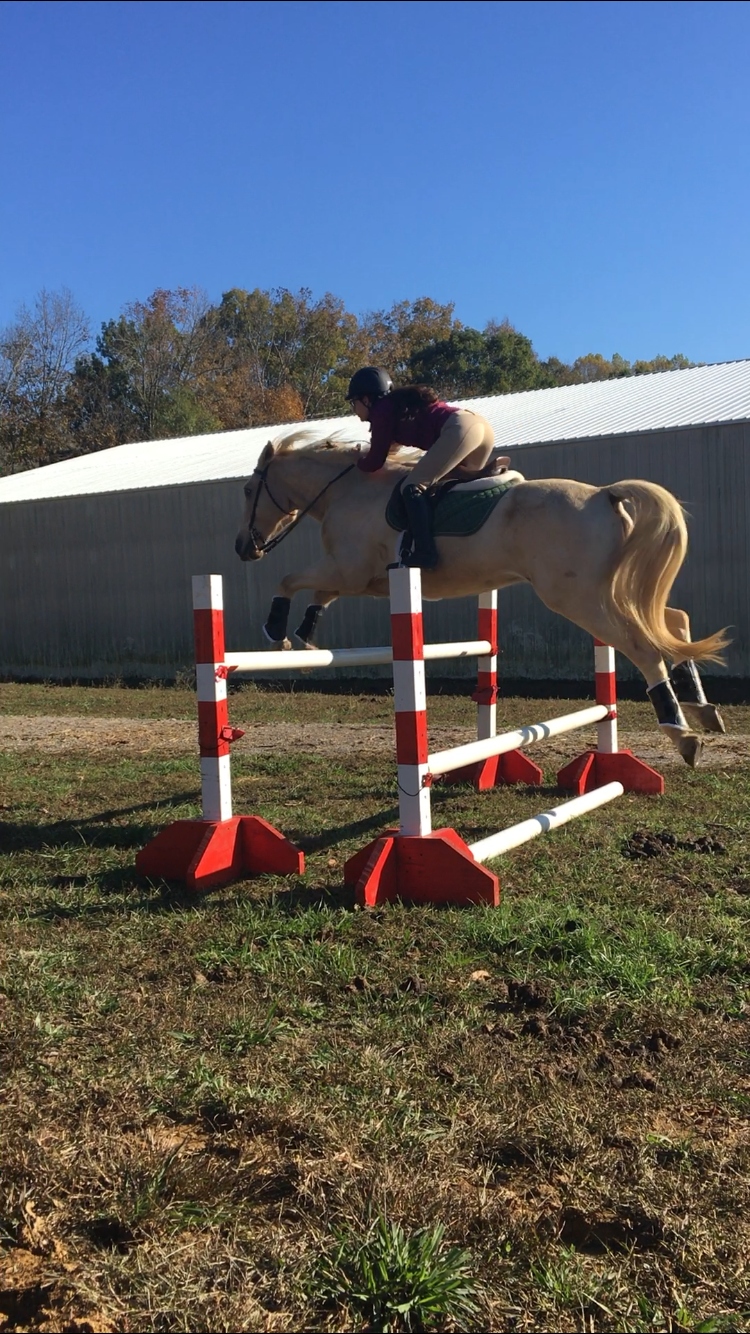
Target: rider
{"points": [[451, 437]]}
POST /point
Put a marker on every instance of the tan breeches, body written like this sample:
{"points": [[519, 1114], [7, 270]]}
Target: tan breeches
{"points": [[466, 439]]}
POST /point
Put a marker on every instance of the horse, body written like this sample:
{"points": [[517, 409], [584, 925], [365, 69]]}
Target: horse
{"points": [[604, 557]]}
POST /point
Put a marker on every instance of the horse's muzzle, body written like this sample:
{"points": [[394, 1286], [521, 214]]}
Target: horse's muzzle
{"points": [[246, 547]]}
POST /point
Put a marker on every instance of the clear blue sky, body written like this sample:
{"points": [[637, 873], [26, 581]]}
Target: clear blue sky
{"points": [[582, 168]]}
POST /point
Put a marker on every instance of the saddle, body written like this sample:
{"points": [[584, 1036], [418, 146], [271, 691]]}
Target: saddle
{"points": [[458, 508]]}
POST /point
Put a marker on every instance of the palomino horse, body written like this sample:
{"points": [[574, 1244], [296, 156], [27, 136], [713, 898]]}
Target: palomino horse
{"points": [[604, 557]]}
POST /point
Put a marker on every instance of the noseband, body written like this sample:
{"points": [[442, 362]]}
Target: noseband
{"points": [[259, 542]]}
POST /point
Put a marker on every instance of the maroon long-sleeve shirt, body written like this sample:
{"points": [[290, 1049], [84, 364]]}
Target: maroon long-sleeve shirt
{"points": [[420, 431]]}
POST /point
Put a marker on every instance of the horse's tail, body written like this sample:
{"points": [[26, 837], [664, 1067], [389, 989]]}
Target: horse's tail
{"points": [[649, 561]]}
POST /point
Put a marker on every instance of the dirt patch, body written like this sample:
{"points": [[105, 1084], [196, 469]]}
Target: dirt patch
{"points": [[32, 1297], [647, 843], [130, 737]]}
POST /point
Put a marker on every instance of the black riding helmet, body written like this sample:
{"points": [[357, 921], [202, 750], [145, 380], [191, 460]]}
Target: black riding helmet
{"points": [[372, 381]]}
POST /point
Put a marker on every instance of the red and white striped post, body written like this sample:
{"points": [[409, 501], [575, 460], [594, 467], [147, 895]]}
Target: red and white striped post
{"points": [[214, 731], [410, 701], [415, 863], [513, 767], [608, 764], [606, 693], [485, 694], [220, 847]]}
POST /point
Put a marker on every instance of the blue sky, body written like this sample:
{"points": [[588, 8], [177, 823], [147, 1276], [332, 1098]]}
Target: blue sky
{"points": [[582, 168]]}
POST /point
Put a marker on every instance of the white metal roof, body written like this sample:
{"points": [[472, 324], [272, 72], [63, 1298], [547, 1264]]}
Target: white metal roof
{"points": [[666, 400]]}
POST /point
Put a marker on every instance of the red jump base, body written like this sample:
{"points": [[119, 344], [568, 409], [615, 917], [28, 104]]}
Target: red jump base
{"points": [[594, 768], [206, 853], [513, 767], [436, 868]]}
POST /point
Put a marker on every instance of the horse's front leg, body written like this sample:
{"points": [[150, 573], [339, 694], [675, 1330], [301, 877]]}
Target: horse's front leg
{"points": [[325, 579], [686, 681]]}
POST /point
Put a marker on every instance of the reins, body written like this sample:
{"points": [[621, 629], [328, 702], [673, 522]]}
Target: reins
{"points": [[264, 546]]}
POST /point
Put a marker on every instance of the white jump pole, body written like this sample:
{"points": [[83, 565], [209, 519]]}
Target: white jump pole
{"points": [[276, 661], [496, 844], [444, 761]]}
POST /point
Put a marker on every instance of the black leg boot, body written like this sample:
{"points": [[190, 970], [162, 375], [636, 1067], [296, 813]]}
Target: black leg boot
{"points": [[306, 630], [278, 619], [424, 554], [688, 688]]}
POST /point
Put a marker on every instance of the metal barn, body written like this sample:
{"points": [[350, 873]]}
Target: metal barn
{"points": [[96, 553]]}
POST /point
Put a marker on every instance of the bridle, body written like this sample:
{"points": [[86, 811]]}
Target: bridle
{"points": [[261, 545]]}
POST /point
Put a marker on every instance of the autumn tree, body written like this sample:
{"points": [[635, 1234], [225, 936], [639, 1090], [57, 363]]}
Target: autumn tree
{"points": [[391, 337], [593, 367], [37, 354], [678, 362], [162, 350], [282, 356]]}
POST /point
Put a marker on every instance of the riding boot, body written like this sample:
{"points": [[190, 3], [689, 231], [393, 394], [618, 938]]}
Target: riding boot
{"points": [[424, 554]]}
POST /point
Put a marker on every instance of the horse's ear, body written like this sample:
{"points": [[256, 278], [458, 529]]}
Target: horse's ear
{"points": [[266, 456]]}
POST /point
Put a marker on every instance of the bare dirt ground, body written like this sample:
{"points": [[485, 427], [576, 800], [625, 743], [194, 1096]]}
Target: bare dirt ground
{"points": [[55, 734]]}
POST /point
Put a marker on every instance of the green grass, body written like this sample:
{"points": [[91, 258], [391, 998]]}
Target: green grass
{"points": [[265, 1109]]}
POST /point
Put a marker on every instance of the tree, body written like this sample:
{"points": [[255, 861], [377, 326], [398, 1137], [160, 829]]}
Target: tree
{"points": [[99, 407], [594, 366], [676, 363], [390, 338], [160, 349], [470, 364], [37, 354], [282, 356]]}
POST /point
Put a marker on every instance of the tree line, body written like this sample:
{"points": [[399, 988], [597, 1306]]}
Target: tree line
{"points": [[177, 364]]}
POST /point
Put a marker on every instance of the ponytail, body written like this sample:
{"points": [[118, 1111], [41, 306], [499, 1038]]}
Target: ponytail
{"points": [[409, 399]]}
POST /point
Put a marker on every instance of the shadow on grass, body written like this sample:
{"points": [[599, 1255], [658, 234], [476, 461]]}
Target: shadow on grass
{"points": [[59, 833], [298, 898], [330, 837], [388, 819]]}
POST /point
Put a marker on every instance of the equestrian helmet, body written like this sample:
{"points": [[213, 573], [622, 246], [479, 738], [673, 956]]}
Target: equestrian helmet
{"points": [[372, 381]]}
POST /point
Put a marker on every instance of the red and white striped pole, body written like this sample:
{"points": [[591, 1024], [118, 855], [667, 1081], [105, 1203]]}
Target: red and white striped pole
{"points": [[410, 701], [220, 847], [608, 763], [606, 693], [214, 731], [416, 863], [514, 766], [486, 691]]}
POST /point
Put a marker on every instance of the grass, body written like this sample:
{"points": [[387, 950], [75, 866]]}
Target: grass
{"points": [[262, 1109]]}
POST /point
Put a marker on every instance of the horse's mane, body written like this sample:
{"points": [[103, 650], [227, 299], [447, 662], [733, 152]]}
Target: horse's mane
{"points": [[340, 443]]}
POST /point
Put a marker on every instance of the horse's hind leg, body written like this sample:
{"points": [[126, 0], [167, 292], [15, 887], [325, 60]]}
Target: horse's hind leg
{"points": [[610, 628], [669, 715], [686, 681]]}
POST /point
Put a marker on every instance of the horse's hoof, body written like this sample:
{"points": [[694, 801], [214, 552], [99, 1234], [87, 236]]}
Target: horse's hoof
{"points": [[706, 716], [304, 643], [690, 747], [280, 645]]}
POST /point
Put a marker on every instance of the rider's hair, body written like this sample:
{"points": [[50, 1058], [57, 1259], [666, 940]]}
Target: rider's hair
{"points": [[410, 398]]}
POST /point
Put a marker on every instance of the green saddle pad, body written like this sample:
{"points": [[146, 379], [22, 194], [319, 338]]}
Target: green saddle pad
{"points": [[457, 513]]}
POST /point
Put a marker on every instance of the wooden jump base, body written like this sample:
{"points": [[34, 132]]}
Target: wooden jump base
{"points": [[412, 862], [419, 865]]}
